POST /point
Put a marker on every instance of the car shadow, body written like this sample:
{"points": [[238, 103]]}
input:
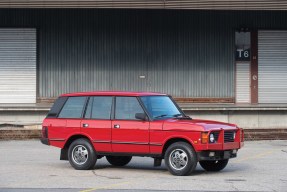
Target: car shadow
{"points": [[162, 169]]}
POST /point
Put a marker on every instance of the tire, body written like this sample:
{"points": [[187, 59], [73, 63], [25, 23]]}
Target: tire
{"points": [[118, 160], [213, 165], [180, 159], [87, 159]]}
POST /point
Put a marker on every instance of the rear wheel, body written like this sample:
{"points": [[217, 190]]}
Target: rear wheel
{"points": [[180, 159], [214, 165], [81, 154], [118, 160]]}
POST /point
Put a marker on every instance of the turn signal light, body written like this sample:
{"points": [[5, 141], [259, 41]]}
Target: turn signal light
{"points": [[204, 137]]}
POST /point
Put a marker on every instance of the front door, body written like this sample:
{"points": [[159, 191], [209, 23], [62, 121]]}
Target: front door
{"points": [[129, 135]]}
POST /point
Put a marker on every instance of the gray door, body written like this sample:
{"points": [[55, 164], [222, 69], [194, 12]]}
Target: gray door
{"points": [[243, 82], [242, 45], [17, 65], [272, 66]]}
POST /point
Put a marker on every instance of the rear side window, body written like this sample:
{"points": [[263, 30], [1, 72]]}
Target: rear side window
{"points": [[73, 108], [127, 107], [99, 107], [56, 108]]}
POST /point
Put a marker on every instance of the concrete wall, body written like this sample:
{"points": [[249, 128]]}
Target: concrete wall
{"points": [[244, 119], [27, 118]]}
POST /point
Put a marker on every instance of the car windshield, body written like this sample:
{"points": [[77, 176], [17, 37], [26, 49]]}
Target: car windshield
{"points": [[160, 107]]}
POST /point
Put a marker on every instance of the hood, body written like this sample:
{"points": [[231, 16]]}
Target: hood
{"points": [[195, 125]]}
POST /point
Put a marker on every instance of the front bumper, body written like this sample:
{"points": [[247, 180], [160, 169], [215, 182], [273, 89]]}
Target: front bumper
{"points": [[216, 155], [45, 141]]}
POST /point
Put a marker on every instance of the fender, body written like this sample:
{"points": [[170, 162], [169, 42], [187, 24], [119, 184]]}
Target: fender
{"points": [[180, 135]]}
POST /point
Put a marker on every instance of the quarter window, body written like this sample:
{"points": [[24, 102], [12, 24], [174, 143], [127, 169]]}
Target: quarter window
{"points": [[127, 107], [73, 108], [53, 113]]}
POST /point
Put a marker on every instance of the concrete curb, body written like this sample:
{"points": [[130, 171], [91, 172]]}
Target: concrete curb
{"points": [[250, 134]]}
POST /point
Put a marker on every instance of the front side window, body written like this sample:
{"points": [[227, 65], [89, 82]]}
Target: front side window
{"points": [[99, 107], [160, 107], [73, 108], [127, 107]]}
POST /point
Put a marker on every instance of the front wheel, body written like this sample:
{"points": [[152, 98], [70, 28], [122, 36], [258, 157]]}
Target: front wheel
{"points": [[213, 165], [82, 155], [118, 160], [180, 159]]}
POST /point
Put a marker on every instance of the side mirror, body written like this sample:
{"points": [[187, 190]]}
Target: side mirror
{"points": [[141, 116]]}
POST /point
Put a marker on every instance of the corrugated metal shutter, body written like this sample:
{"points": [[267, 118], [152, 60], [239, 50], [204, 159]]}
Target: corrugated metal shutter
{"points": [[17, 65], [272, 66], [242, 83], [150, 4]]}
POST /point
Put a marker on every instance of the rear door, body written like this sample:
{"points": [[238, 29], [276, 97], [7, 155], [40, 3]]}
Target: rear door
{"points": [[129, 135], [97, 122]]}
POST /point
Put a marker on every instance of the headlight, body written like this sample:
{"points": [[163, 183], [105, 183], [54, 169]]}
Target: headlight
{"points": [[234, 135], [211, 138]]}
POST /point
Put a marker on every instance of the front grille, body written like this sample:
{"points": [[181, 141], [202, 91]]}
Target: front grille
{"points": [[229, 136]]}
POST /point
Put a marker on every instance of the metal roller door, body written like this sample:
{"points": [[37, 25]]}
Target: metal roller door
{"points": [[272, 66], [17, 65]]}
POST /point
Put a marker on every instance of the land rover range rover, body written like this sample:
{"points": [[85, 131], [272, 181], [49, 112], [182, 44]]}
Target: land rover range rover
{"points": [[118, 125]]}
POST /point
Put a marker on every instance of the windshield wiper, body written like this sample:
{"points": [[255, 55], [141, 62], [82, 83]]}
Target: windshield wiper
{"points": [[181, 116], [160, 116], [178, 116]]}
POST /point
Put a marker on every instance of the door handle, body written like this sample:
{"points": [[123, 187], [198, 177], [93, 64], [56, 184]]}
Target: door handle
{"points": [[116, 126], [85, 125]]}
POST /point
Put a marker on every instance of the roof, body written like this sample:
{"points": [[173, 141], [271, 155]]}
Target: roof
{"points": [[112, 93]]}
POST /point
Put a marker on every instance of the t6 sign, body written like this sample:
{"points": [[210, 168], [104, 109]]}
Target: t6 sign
{"points": [[242, 55]]}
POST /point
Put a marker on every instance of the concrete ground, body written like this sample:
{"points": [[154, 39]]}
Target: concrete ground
{"points": [[32, 166]]}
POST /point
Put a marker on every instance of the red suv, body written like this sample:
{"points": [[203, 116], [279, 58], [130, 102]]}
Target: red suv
{"points": [[118, 125]]}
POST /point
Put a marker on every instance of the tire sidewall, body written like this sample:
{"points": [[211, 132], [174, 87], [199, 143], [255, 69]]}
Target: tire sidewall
{"points": [[92, 158], [192, 158]]}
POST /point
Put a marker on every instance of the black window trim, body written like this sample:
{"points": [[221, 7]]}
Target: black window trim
{"points": [[113, 114], [86, 107], [113, 108]]}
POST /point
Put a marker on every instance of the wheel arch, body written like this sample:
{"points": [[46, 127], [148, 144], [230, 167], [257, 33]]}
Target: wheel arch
{"points": [[64, 150], [170, 141]]}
